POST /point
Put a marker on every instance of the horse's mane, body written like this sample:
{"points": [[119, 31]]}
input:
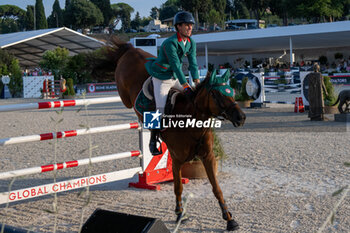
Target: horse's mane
{"points": [[106, 62], [203, 83]]}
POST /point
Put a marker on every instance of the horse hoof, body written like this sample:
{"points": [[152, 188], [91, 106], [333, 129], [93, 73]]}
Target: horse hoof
{"points": [[232, 225], [182, 216]]}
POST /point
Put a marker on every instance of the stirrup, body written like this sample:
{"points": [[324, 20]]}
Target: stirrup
{"points": [[153, 148], [153, 145]]}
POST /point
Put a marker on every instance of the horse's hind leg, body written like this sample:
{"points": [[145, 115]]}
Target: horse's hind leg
{"points": [[210, 163], [177, 188]]}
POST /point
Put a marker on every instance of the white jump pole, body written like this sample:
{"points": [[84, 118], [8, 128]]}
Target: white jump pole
{"points": [[69, 164], [58, 104], [65, 134]]}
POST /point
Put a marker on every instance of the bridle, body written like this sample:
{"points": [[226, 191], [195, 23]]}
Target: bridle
{"points": [[222, 109]]}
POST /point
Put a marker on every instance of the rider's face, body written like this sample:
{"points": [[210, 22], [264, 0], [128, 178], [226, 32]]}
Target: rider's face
{"points": [[185, 29]]}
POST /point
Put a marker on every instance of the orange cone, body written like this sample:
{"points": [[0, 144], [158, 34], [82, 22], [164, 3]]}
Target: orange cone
{"points": [[301, 105], [296, 104]]}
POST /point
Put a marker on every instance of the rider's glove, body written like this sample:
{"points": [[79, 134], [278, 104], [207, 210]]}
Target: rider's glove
{"points": [[188, 91]]}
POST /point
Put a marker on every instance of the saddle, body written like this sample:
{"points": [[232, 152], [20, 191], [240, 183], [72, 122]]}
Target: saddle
{"points": [[145, 101]]}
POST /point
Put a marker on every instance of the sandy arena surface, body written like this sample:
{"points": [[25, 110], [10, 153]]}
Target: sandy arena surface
{"points": [[279, 176]]}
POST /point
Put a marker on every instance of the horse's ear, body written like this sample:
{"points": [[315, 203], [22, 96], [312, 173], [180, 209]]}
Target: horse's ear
{"points": [[212, 77], [226, 76]]}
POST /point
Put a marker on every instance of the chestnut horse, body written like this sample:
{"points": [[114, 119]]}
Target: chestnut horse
{"points": [[128, 65]]}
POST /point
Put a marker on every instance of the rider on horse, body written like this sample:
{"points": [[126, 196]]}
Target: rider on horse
{"points": [[166, 69]]}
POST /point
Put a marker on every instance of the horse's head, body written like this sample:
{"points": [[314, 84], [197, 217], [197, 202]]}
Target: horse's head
{"points": [[214, 97]]}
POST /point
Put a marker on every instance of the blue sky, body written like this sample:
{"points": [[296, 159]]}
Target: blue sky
{"points": [[142, 6]]}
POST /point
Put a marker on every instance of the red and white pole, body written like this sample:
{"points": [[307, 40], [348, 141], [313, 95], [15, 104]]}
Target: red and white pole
{"points": [[58, 104], [74, 163], [66, 134]]}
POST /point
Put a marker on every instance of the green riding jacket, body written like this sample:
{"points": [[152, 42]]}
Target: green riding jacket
{"points": [[169, 62]]}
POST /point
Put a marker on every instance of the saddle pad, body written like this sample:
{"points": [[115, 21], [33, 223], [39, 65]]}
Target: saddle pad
{"points": [[143, 104]]}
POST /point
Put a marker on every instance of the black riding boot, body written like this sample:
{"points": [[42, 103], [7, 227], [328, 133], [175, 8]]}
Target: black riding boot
{"points": [[153, 142]]}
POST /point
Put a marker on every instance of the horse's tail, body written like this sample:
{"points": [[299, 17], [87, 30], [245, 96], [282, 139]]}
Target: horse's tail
{"points": [[106, 62], [336, 102]]}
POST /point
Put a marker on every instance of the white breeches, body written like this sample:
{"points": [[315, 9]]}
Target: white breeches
{"points": [[161, 90]]}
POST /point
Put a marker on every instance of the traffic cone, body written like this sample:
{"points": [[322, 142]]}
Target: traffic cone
{"points": [[301, 105], [296, 104]]}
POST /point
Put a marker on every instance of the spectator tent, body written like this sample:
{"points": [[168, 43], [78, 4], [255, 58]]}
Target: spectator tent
{"points": [[28, 47]]}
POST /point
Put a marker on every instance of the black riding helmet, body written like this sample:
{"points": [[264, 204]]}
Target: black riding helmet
{"points": [[183, 17]]}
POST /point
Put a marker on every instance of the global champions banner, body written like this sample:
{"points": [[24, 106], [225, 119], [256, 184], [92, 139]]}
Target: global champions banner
{"points": [[340, 79], [100, 87]]}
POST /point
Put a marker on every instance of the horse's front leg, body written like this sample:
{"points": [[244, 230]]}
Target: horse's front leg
{"points": [[209, 163], [177, 189]]}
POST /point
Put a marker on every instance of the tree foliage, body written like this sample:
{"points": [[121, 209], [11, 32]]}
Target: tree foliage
{"points": [[29, 18], [200, 9], [318, 10], [40, 18], [136, 22], [11, 18], [220, 6], [214, 17], [154, 13], [105, 8], [55, 61], [169, 11], [123, 11], [257, 8], [78, 69], [56, 17], [241, 11], [9, 65], [82, 14]]}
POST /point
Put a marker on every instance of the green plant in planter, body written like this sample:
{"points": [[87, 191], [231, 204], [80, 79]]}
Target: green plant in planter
{"points": [[70, 88], [241, 93], [217, 148], [281, 80], [329, 99]]}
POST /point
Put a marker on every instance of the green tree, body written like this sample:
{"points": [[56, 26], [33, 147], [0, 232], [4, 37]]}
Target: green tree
{"points": [[318, 10], [40, 18], [199, 8], [145, 21], [229, 9], [56, 17], [281, 9], [16, 82], [9, 65], [11, 18], [55, 61], [67, 3], [136, 22], [220, 6], [214, 17], [257, 7], [29, 18], [82, 14], [123, 11], [105, 8], [8, 25], [169, 9], [154, 13], [241, 10], [166, 12], [78, 69]]}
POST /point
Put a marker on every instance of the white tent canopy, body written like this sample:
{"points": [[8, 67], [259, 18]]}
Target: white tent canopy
{"points": [[29, 46], [321, 36]]}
